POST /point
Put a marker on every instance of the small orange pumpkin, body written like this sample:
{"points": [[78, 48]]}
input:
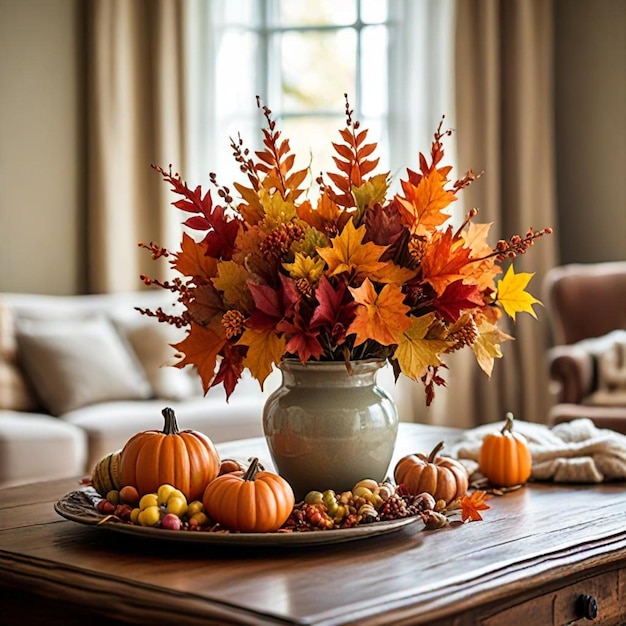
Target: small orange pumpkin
{"points": [[442, 477], [254, 501], [186, 459], [505, 458]]}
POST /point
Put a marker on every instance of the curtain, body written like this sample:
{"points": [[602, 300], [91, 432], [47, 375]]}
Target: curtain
{"points": [[505, 126], [136, 117]]}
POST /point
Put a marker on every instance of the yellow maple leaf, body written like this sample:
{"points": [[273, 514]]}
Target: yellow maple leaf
{"points": [[277, 210], [415, 353], [380, 316], [232, 280], [304, 266], [371, 191], [265, 348], [486, 346], [512, 295], [348, 253]]}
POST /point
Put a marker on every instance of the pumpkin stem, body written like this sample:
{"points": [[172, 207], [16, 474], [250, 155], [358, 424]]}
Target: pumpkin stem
{"points": [[433, 454], [171, 425], [508, 427], [252, 469]]}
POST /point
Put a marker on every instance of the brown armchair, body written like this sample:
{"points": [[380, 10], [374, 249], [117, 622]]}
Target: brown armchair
{"points": [[586, 305]]}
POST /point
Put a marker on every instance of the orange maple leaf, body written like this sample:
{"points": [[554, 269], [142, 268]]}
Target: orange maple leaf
{"points": [[423, 203], [348, 253], [207, 307], [200, 348], [192, 261], [379, 316], [472, 504], [444, 261], [483, 270]]}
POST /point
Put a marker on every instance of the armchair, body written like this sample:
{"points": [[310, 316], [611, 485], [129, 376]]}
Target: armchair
{"points": [[586, 306]]}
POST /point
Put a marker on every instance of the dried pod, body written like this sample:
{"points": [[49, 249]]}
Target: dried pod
{"points": [[424, 501], [434, 520]]}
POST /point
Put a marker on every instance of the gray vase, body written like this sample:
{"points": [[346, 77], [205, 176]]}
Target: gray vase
{"points": [[328, 429]]}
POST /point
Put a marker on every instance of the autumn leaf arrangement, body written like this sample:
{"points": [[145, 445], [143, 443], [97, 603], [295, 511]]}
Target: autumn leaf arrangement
{"points": [[358, 273]]}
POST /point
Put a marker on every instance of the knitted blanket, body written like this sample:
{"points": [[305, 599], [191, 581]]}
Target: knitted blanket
{"points": [[572, 452]]}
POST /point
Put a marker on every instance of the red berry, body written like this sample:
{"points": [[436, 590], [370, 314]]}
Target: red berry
{"points": [[170, 521]]}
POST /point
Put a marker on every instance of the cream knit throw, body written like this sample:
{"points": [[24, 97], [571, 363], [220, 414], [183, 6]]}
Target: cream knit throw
{"points": [[572, 452]]}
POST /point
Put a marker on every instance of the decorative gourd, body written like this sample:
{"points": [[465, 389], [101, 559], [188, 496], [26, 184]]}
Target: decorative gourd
{"points": [[230, 465], [505, 458], [254, 501], [186, 459], [442, 477], [106, 474]]}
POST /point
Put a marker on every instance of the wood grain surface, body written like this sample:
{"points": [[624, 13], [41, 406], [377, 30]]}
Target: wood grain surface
{"points": [[532, 544]]}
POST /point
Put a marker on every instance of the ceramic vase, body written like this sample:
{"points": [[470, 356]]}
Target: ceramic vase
{"points": [[327, 428]]}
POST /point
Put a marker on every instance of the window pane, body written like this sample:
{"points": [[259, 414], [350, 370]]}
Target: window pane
{"points": [[317, 12], [317, 69], [373, 11], [237, 12], [310, 139], [235, 79], [374, 71]]}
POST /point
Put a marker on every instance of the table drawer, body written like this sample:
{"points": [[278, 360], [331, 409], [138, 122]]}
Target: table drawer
{"points": [[572, 604]]}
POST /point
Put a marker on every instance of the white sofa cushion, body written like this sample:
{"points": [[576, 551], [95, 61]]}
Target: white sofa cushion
{"points": [[39, 447], [109, 425], [76, 362]]}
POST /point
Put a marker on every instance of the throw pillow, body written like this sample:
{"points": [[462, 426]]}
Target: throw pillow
{"points": [[151, 341], [76, 362]]}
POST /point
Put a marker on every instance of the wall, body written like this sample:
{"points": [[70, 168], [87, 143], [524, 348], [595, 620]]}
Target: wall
{"points": [[590, 81], [42, 132], [41, 161]]}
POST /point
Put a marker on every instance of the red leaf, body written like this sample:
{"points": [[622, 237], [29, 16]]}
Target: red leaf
{"points": [[231, 367], [456, 298]]}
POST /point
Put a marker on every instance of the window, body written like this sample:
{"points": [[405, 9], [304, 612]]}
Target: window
{"points": [[300, 57]]}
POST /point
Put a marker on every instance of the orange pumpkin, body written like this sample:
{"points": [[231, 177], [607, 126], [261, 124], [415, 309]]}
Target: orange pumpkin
{"points": [[186, 459], [254, 501], [505, 458], [442, 477]]}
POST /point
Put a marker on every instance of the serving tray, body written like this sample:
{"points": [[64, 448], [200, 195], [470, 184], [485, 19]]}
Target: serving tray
{"points": [[79, 506]]}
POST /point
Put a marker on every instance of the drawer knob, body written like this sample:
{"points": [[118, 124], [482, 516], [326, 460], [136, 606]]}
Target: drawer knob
{"points": [[587, 606]]}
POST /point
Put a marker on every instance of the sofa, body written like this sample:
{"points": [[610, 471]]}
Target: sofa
{"points": [[79, 375]]}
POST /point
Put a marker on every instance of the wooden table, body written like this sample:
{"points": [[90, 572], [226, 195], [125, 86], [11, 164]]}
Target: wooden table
{"points": [[536, 553]]}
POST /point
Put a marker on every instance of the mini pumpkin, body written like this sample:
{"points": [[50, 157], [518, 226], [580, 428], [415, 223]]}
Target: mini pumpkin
{"points": [[505, 458], [106, 475], [255, 501], [186, 459], [442, 477]]}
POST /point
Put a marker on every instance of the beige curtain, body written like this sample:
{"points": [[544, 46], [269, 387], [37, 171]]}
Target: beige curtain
{"points": [[135, 118], [504, 112]]}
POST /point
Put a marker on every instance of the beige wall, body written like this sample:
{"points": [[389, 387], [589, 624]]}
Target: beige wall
{"points": [[590, 80], [41, 165], [42, 133]]}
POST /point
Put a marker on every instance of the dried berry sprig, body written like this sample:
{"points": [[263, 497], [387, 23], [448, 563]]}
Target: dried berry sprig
{"points": [[517, 245], [156, 250]]}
